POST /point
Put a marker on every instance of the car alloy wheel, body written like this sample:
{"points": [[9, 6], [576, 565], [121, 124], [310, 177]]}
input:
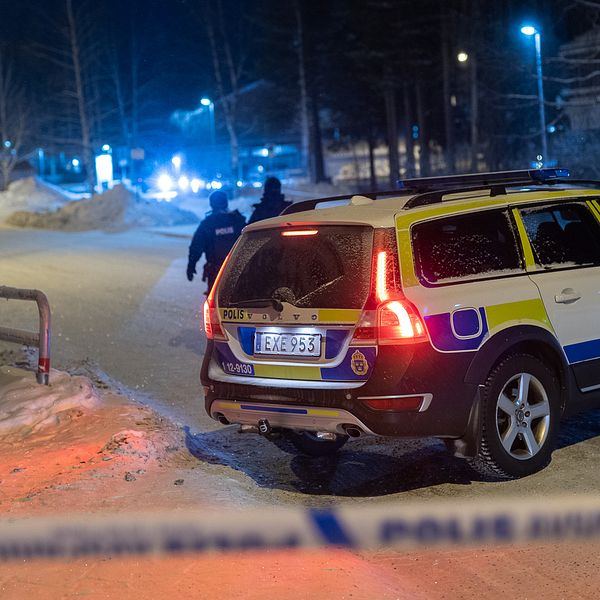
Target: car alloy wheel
{"points": [[523, 416], [520, 413]]}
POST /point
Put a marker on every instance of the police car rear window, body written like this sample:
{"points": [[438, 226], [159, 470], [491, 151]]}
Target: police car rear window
{"points": [[466, 247], [329, 269]]}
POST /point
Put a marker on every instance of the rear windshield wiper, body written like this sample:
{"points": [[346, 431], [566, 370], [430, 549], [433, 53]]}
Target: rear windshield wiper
{"points": [[258, 303]]}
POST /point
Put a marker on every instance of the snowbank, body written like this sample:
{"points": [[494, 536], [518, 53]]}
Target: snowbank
{"points": [[115, 209], [30, 194], [27, 407]]}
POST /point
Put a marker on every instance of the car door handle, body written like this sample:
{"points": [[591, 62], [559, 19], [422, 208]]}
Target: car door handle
{"points": [[567, 296]]}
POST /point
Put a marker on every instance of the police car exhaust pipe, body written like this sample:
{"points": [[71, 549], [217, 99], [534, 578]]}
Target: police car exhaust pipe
{"points": [[248, 429], [223, 420], [264, 427], [353, 432]]}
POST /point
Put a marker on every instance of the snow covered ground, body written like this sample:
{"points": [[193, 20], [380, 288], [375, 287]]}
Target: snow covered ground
{"points": [[114, 210], [26, 406], [31, 194]]}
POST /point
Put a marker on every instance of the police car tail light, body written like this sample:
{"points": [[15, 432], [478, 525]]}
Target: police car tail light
{"points": [[388, 318], [399, 321], [212, 324]]}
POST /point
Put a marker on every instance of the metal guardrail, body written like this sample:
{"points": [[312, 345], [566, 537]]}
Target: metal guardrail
{"points": [[30, 338]]}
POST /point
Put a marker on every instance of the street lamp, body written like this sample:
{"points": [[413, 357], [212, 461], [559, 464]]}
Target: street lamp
{"points": [[470, 60], [176, 162], [530, 30], [211, 110]]}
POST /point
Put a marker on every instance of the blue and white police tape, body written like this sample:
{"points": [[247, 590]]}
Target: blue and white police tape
{"points": [[401, 526]]}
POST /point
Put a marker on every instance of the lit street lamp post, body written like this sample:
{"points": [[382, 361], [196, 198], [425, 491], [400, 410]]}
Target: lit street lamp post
{"points": [[211, 110], [529, 30], [464, 58]]}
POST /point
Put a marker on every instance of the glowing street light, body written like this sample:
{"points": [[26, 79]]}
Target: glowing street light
{"points": [[468, 61], [530, 30], [211, 112], [176, 162]]}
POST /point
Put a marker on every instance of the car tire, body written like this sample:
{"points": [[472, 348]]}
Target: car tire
{"points": [[520, 416], [308, 443]]}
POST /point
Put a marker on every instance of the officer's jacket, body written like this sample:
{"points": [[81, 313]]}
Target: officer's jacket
{"points": [[215, 236]]}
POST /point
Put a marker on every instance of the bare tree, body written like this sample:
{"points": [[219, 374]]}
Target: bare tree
{"points": [[448, 121], [14, 116], [228, 67], [82, 107], [77, 51], [128, 84], [302, 85]]}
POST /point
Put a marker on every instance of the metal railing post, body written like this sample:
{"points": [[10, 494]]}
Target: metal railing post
{"points": [[40, 339]]}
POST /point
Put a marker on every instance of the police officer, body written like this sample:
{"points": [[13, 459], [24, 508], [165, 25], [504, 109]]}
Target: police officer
{"points": [[214, 237], [272, 203]]}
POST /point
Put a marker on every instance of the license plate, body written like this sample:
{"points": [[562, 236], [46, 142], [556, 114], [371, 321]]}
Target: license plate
{"points": [[287, 344]]}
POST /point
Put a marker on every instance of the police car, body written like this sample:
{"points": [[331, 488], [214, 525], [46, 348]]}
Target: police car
{"points": [[465, 308]]}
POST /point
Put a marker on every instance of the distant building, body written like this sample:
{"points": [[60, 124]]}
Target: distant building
{"points": [[267, 134]]}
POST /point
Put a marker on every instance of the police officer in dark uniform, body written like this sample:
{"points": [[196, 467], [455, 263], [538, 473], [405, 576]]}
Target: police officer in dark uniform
{"points": [[214, 237], [272, 203]]}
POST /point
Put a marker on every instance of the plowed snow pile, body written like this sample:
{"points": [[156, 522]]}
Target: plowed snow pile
{"points": [[30, 194], [26, 407], [80, 445], [116, 209]]}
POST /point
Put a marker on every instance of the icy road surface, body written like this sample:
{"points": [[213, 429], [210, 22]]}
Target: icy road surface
{"points": [[119, 300], [122, 301]]}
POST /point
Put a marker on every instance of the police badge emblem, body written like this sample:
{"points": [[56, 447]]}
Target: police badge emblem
{"points": [[359, 363]]}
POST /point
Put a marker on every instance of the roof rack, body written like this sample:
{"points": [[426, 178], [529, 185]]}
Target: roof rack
{"points": [[427, 184], [432, 190]]}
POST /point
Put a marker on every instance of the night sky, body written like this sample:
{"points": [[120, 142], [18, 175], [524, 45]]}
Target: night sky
{"points": [[175, 42], [351, 47]]}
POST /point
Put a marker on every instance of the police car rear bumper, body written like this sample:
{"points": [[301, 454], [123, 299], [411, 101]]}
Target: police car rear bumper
{"points": [[411, 370], [284, 416]]}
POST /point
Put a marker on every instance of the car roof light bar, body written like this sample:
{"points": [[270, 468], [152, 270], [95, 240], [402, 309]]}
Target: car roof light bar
{"points": [[496, 183], [434, 188], [427, 184]]}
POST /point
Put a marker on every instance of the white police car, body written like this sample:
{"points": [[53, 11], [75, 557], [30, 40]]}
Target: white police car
{"points": [[465, 308]]}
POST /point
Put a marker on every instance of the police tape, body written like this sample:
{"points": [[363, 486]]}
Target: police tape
{"points": [[401, 526]]}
